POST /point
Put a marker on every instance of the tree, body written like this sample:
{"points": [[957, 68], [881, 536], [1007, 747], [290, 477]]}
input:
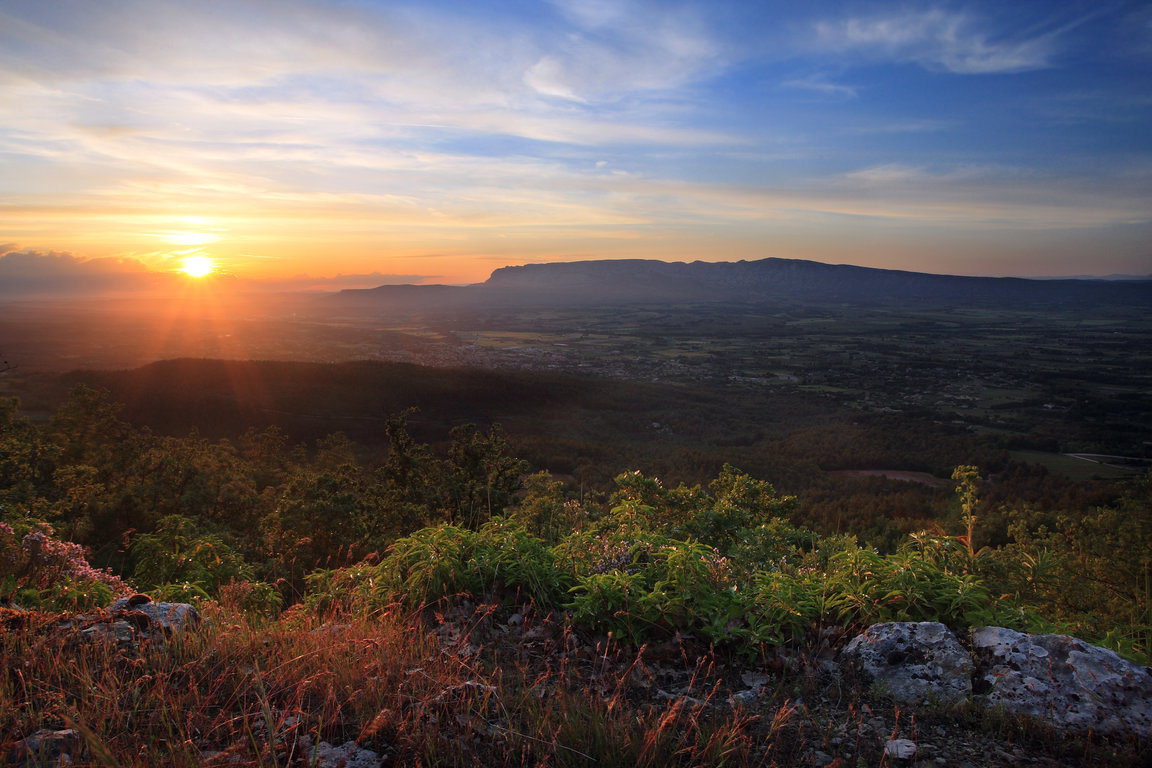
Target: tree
{"points": [[87, 425], [482, 475], [27, 457], [546, 511], [409, 491], [317, 519]]}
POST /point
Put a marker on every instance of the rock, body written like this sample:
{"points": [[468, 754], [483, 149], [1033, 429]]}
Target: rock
{"points": [[820, 759], [45, 748], [123, 632], [754, 680], [900, 749], [1064, 681], [744, 698], [347, 755], [914, 662], [172, 617]]}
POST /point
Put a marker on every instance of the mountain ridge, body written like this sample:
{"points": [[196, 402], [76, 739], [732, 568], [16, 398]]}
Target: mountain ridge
{"points": [[770, 280]]}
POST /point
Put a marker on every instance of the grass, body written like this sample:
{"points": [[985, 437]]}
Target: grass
{"points": [[465, 687], [247, 692]]}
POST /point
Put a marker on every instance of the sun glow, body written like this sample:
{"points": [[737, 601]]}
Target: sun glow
{"points": [[190, 238], [198, 266]]}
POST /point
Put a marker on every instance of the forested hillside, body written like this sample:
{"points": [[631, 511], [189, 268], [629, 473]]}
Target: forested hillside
{"points": [[189, 516]]}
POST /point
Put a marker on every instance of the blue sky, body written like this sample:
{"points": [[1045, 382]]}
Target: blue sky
{"points": [[438, 141]]}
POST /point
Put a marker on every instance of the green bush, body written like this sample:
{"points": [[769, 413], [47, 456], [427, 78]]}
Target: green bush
{"points": [[429, 565], [253, 597], [505, 556], [782, 607], [360, 587], [653, 585], [182, 592], [178, 552]]}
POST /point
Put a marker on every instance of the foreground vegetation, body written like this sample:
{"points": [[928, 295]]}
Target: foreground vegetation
{"points": [[466, 688], [457, 608], [186, 517]]}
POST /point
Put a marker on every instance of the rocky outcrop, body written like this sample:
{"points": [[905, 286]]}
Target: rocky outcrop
{"points": [[916, 663], [1067, 683], [1063, 680], [347, 755], [170, 617], [130, 621]]}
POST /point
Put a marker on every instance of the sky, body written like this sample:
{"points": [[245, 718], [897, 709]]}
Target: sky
{"points": [[325, 143]]}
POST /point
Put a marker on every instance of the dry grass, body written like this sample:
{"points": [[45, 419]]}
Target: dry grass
{"points": [[466, 688], [246, 692]]}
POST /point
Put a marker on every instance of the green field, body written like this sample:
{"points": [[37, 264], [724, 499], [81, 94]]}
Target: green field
{"points": [[1072, 467]]}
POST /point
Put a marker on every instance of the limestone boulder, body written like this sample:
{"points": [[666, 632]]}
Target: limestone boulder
{"points": [[916, 663], [1062, 680]]}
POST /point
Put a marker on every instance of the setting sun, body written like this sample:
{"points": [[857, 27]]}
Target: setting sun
{"points": [[198, 266]]}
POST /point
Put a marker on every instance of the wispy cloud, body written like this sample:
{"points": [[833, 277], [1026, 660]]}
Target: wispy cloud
{"points": [[952, 41], [822, 86], [620, 48]]}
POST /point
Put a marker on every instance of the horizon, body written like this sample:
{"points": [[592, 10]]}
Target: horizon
{"points": [[354, 144], [62, 278]]}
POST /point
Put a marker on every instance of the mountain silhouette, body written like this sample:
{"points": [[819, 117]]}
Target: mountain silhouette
{"points": [[637, 281]]}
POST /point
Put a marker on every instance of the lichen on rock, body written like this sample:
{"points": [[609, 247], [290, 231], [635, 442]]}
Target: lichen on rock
{"points": [[916, 663]]}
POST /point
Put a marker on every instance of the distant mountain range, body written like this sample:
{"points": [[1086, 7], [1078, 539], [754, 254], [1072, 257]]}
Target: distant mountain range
{"points": [[635, 281]]}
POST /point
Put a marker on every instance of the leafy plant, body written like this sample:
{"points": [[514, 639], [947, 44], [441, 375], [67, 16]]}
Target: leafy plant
{"points": [[505, 556], [430, 565], [180, 552]]}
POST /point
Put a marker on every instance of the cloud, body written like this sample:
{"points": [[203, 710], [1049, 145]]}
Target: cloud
{"points": [[621, 49], [27, 274], [936, 39], [972, 198], [822, 86], [30, 274]]}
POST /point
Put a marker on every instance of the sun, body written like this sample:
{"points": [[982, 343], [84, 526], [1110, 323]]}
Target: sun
{"points": [[198, 266]]}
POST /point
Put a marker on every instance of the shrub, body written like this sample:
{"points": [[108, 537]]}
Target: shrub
{"points": [[43, 571], [360, 587], [505, 556], [253, 597], [429, 565], [183, 592], [178, 552], [653, 585]]}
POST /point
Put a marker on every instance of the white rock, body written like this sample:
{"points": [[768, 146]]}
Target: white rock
{"points": [[914, 662], [900, 749], [1064, 681]]}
